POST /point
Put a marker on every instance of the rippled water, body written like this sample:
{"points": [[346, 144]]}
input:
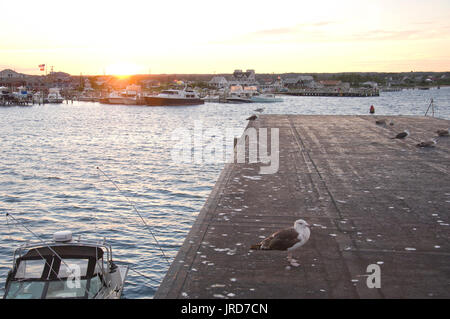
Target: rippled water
{"points": [[49, 180]]}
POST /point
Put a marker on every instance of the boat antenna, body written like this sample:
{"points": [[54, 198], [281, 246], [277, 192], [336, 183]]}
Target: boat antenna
{"points": [[137, 212]]}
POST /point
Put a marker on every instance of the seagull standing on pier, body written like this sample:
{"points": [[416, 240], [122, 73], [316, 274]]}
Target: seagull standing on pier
{"points": [[289, 239]]}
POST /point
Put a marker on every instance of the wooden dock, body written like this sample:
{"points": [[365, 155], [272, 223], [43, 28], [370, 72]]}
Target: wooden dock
{"points": [[357, 93], [373, 200]]}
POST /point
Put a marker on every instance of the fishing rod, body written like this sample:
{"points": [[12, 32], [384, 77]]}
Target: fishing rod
{"points": [[137, 212]]}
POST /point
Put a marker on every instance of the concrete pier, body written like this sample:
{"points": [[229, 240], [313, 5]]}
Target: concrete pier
{"points": [[372, 200]]}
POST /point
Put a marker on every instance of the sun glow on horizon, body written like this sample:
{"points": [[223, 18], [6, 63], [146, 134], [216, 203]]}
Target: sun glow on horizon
{"points": [[123, 69]]}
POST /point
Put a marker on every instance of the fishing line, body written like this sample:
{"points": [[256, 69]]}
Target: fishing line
{"points": [[137, 212], [9, 228]]}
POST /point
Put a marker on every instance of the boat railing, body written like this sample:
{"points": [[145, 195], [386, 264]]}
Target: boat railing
{"points": [[27, 246]]}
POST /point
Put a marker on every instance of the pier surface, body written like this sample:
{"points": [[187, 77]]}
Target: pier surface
{"points": [[372, 200]]}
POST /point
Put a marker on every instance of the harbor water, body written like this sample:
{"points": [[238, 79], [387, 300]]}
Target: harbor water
{"points": [[50, 181]]}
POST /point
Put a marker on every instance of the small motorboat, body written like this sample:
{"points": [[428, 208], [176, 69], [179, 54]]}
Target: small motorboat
{"points": [[65, 268], [54, 96], [265, 98]]}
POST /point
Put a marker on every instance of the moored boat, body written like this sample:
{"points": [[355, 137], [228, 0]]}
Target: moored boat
{"points": [[174, 98], [265, 98], [54, 96], [119, 98], [65, 268]]}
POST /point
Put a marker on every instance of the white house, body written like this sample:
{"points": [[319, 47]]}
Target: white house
{"points": [[9, 74], [218, 82], [271, 86], [243, 78]]}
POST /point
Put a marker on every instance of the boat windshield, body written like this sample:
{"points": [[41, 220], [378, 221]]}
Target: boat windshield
{"points": [[169, 92], [84, 288], [40, 274]]}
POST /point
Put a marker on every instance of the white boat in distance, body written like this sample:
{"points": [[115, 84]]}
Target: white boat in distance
{"points": [[120, 98], [265, 98], [65, 269], [250, 94], [174, 98], [54, 96]]}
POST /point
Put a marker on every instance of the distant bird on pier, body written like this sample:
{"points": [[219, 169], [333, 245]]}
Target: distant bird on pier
{"points": [[401, 135], [289, 239], [260, 110], [252, 118], [443, 132], [430, 143]]}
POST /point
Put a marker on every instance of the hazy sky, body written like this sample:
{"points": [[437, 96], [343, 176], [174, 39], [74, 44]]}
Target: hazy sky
{"points": [[207, 36]]}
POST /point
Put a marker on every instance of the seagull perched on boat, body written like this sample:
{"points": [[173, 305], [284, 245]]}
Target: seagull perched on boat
{"points": [[260, 110], [443, 132], [289, 239], [252, 118], [401, 135], [430, 143]]}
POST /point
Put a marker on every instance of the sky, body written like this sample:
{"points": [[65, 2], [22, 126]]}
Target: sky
{"points": [[208, 36]]}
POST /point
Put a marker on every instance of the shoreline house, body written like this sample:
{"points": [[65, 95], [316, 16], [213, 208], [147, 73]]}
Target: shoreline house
{"points": [[243, 78], [9, 77], [219, 82], [269, 85], [300, 82], [335, 85]]}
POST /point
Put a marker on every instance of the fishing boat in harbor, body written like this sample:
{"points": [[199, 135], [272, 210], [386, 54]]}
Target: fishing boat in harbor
{"points": [[65, 269], [54, 96], [239, 94], [130, 96], [250, 94], [265, 98], [120, 98], [174, 98]]}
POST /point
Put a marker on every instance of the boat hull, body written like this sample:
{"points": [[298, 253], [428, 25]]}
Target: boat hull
{"points": [[238, 100], [119, 100], [162, 101], [54, 101], [266, 100]]}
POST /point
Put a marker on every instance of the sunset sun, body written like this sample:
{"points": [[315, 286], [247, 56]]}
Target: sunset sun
{"points": [[122, 69]]}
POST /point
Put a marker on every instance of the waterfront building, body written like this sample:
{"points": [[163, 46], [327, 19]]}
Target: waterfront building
{"points": [[219, 82], [268, 85], [243, 78], [299, 82]]}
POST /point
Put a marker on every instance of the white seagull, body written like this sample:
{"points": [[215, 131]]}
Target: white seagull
{"points": [[289, 239]]}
